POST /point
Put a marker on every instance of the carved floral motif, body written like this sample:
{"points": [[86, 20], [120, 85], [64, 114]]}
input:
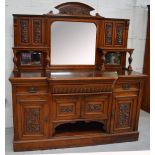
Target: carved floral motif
{"points": [[119, 35], [108, 34], [66, 109], [37, 31], [32, 120], [94, 107], [75, 11], [24, 23], [124, 112]]}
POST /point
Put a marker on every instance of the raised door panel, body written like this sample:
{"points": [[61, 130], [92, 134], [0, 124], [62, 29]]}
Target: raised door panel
{"points": [[95, 106], [33, 119], [108, 34], [66, 107], [124, 112], [119, 34]]}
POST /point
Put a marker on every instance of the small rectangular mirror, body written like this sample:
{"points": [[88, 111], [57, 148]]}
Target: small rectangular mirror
{"points": [[113, 58], [73, 43]]}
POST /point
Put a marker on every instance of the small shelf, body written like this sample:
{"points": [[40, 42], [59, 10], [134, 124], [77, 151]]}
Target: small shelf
{"points": [[31, 58], [80, 128]]}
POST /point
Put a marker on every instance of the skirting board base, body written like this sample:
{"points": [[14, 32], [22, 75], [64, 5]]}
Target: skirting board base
{"points": [[74, 141]]}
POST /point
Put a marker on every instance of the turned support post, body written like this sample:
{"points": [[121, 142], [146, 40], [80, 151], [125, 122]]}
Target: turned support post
{"points": [[15, 60], [130, 60], [103, 60], [102, 53]]}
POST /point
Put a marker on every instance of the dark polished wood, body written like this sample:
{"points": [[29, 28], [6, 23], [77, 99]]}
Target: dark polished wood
{"points": [[146, 68], [56, 106]]}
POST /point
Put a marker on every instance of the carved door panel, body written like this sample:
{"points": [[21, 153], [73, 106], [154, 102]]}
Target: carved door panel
{"points": [[66, 107], [124, 113], [37, 31], [29, 31], [119, 34], [108, 34], [33, 119], [95, 106], [24, 35]]}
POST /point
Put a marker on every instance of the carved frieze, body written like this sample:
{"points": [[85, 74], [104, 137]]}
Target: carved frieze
{"points": [[79, 89], [24, 24], [32, 120], [124, 112], [37, 29]]}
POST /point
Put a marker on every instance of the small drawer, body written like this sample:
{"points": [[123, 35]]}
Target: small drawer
{"points": [[33, 89], [125, 86]]}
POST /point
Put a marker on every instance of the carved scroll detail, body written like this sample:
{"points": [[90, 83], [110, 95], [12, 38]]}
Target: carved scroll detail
{"points": [[73, 8], [24, 23], [32, 120]]}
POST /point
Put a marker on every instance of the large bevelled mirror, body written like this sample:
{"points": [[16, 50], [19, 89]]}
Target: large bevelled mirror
{"points": [[73, 43]]}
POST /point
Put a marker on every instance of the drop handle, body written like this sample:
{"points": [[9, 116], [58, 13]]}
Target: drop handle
{"points": [[126, 86], [32, 90]]}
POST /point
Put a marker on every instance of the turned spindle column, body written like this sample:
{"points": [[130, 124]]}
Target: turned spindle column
{"points": [[103, 59], [15, 61], [130, 60]]}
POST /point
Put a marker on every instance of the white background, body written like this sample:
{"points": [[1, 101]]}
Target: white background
{"points": [[135, 10]]}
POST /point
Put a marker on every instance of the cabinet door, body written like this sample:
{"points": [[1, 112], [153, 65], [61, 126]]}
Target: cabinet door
{"points": [[33, 119], [66, 107], [96, 106], [29, 31], [124, 111], [119, 34]]}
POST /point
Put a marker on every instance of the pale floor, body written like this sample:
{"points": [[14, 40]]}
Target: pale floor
{"points": [[142, 144]]}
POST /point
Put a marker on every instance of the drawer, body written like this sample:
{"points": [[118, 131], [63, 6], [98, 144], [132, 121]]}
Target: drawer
{"points": [[89, 88], [32, 89], [125, 86]]}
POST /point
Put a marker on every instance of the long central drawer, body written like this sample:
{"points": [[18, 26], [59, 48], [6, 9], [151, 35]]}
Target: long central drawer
{"points": [[90, 88]]}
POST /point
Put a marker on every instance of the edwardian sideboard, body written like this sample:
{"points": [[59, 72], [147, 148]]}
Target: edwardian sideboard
{"points": [[61, 102]]}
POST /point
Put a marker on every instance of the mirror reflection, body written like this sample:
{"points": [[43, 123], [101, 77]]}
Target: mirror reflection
{"points": [[73, 43]]}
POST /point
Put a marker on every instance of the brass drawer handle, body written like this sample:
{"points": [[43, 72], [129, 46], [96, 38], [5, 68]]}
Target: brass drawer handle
{"points": [[126, 86], [32, 90]]}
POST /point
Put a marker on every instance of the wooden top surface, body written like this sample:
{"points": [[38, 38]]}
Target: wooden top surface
{"points": [[76, 74]]}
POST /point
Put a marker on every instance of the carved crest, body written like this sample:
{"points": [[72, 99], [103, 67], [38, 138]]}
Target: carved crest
{"points": [[73, 8]]}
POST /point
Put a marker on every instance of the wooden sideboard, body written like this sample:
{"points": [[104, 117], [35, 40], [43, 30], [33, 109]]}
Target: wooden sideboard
{"points": [[57, 106], [87, 108]]}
